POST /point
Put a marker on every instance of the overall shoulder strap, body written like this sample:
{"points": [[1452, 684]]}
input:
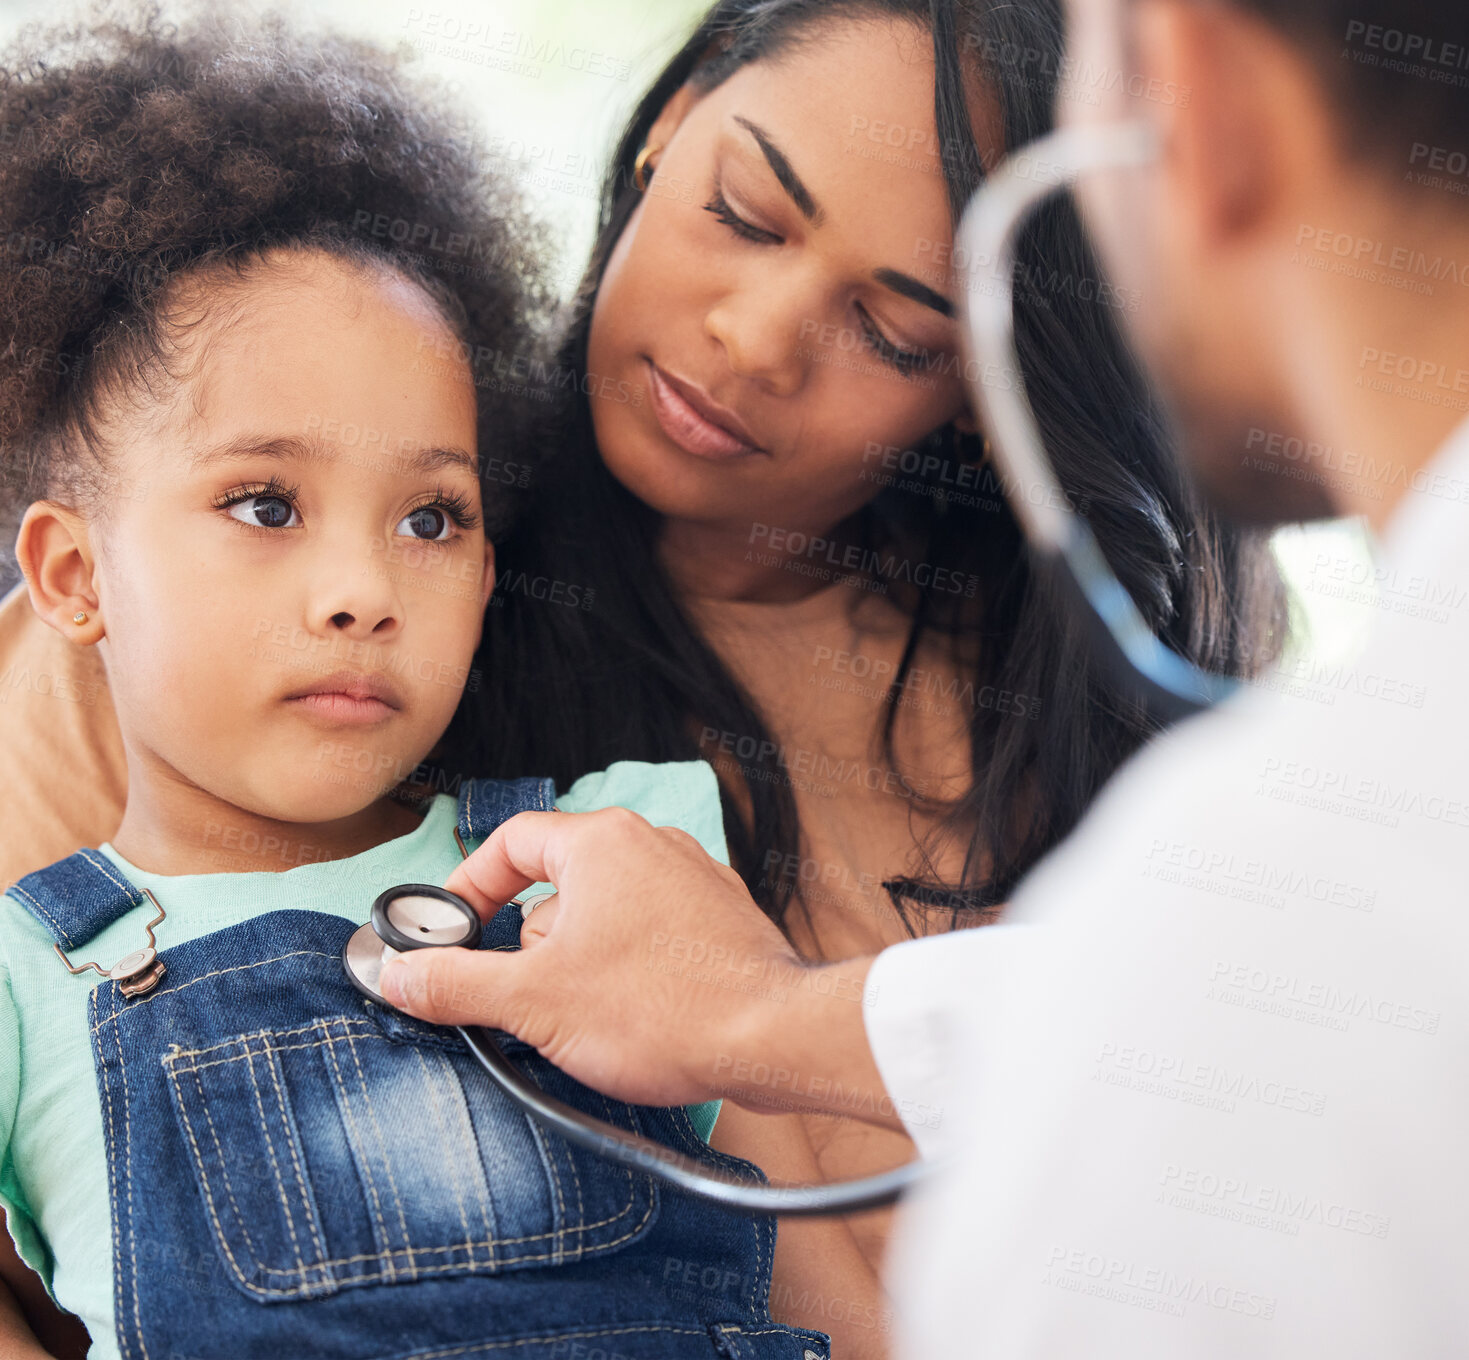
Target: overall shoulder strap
{"points": [[485, 803], [78, 897]]}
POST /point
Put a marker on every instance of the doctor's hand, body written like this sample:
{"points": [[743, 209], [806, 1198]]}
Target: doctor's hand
{"points": [[651, 975]]}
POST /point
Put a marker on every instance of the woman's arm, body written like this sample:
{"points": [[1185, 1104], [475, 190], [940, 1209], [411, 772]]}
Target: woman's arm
{"points": [[820, 1280], [31, 1326], [16, 1339]]}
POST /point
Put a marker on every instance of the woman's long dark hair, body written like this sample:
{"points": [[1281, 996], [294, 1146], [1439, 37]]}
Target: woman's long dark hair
{"points": [[618, 670]]}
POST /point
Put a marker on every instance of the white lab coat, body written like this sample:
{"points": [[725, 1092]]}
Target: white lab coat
{"points": [[1208, 1092]]}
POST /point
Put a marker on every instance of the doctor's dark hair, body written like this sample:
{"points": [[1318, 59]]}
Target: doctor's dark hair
{"points": [[136, 153], [633, 678], [1398, 70]]}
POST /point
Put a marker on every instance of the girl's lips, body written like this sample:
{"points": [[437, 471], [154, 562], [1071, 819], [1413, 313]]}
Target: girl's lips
{"points": [[690, 430], [343, 710]]}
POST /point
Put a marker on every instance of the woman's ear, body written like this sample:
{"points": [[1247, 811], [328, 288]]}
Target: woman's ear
{"points": [[670, 120], [966, 422]]}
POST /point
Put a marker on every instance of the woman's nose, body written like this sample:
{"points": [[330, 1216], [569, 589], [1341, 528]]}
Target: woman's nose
{"points": [[760, 333]]}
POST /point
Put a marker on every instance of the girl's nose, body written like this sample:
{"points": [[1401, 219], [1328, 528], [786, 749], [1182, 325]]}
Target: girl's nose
{"points": [[362, 600]]}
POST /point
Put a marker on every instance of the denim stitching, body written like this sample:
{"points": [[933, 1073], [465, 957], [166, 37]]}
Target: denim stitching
{"points": [[385, 1259], [274, 1164], [376, 1276], [313, 1028], [55, 924], [444, 1134], [287, 1048], [104, 867], [581, 1208], [469, 815], [224, 1170], [302, 1186], [139, 1002], [127, 1125], [558, 1234], [681, 1116], [107, 1104], [221, 1235], [376, 1206], [382, 1143], [554, 1336]]}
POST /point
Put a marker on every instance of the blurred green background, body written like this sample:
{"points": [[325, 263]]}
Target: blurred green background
{"points": [[550, 82]]}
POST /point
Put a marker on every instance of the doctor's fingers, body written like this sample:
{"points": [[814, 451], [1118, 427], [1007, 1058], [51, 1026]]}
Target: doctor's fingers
{"points": [[539, 923], [466, 987], [513, 857], [544, 847]]}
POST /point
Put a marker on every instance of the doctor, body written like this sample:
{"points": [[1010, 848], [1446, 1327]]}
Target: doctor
{"points": [[1208, 1087]]}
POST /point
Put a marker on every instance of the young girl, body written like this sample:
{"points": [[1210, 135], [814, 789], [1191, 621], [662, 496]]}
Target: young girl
{"points": [[252, 291]]}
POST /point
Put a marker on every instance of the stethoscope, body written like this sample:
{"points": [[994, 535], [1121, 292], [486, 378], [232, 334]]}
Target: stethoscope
{"points": [[419, 916], [415, 916]]}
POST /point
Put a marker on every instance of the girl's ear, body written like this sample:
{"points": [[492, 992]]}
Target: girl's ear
{"points": [[966, 422], [54, 552]]}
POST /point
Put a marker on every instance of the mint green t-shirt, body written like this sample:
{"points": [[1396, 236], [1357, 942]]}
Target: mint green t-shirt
{"points": [[53, 1161]]}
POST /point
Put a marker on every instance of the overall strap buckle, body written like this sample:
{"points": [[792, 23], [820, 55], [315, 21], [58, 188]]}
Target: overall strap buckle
{"points": [[77, 898], [137, 973]]}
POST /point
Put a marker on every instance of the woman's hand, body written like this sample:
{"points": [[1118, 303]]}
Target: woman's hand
{"points": [[651, 975]]}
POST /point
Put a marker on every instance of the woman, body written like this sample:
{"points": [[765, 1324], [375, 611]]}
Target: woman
{"points": [[777, 297], [789, 551]]}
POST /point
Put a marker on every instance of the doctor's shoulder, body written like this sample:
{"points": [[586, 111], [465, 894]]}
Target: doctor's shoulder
{"points": [[1196, 809]]}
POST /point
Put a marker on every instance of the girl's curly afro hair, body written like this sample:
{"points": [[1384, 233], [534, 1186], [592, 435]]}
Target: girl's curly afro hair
{"points": [[135, 151]]}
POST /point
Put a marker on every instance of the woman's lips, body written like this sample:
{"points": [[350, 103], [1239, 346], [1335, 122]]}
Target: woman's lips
{"points": [[343, 709], [690, 429]]}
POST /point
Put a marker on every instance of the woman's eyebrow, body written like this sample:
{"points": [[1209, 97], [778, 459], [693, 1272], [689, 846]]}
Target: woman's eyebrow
{"points": [[904, 284], [910, 287], [293, 448], [785, 172]]}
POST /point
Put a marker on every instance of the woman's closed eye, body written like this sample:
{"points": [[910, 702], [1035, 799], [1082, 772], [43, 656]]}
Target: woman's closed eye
{"points": [[273, 506], [905, 361]]}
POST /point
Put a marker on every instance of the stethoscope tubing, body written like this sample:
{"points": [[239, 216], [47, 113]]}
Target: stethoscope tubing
{"points": [[617, 1145], [674, 1168]]}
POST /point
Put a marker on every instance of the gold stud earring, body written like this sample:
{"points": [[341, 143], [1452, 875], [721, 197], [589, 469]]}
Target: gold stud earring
{"points": [[640, 167], [80, 616]]}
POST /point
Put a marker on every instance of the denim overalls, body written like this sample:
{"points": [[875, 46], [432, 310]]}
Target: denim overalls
{"points": [[296, 1172]]}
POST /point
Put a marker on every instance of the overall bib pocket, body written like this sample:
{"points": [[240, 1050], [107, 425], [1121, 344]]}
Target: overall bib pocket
{"points": [[339, 1154]]}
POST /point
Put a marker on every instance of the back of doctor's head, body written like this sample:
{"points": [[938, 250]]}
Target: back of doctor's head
{"points": [[1397, 72]]}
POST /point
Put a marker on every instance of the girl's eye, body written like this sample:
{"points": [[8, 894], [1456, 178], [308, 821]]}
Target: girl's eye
{"points": [[272, 506], [439, 519], [748, 231], [428, 523]]}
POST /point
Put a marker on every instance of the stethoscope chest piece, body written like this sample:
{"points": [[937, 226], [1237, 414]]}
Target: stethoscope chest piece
{"points": [[407, 917]]}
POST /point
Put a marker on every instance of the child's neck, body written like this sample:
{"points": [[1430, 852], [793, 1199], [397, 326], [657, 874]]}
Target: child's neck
{"points": [[181, 829]]}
